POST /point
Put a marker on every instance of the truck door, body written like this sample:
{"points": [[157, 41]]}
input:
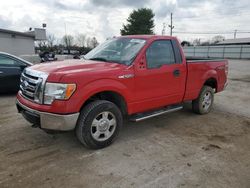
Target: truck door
{"points": [[161, 81]]}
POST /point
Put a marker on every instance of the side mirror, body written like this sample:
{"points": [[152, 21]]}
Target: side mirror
{"points": [[142, 63], [22, 67]]}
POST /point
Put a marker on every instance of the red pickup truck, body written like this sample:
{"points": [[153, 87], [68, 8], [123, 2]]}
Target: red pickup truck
{"points": [[136, 77]]}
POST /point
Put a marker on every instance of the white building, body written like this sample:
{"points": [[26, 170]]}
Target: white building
{"points": [[237, 41], [20, 43]]}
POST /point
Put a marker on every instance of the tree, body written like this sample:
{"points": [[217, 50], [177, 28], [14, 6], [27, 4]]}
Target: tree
{"points": [[185, 43], [197, 42], [140, 21], [218, 38], [42, 45], [51, 40], [81, 40], [92, 42], [68, 40], [205, 43]]}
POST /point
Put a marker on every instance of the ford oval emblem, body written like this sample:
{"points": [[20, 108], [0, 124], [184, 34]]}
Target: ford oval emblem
{"points": [[25, 84]]}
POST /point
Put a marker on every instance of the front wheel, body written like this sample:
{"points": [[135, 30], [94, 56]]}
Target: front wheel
{"points": [[203, 104], [99, 124]]}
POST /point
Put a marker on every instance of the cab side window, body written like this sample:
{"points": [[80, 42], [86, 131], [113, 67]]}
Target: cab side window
{"points": [[160, 53]]}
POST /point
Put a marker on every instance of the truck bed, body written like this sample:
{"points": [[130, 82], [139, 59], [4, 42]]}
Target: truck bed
{"points": [[199, 70], [191, 59]]}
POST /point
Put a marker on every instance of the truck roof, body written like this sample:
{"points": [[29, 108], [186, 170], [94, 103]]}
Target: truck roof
{"points": [[146, 37]]}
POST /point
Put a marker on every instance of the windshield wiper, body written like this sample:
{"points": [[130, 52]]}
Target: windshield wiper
{"points": [[103, 59], [99, 59]]}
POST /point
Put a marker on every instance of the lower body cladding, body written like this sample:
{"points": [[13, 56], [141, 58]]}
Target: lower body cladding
{"points": [[48, 121]]}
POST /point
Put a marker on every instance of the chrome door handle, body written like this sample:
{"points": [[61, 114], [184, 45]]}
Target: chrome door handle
{"points": [[1, 72]]}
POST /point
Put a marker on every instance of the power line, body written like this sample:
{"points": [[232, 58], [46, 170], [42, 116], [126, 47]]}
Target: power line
{"points": [[211, 33], [207, 15], [213, 14]]}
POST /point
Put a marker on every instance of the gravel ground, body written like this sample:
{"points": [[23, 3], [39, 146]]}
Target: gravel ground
{"points": [[174, 150]]}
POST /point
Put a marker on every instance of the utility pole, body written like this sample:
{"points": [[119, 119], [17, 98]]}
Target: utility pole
{"points": [[65, 30], [235, 33], [163, 29], [171, 25]]}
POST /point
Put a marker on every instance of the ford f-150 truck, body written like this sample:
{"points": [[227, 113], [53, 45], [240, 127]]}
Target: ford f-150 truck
{"points": [[136, 77]]}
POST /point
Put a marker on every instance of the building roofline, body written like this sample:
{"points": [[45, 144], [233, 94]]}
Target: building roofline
{"points": [[25, 34], [235, 41]]}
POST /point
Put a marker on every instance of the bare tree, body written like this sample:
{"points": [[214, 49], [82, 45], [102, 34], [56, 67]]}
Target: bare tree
{"points": [[41, 45], [88, 42], [218, 38], [205, 43], [51, 40], [81, 40], [92, 42], [68, 40], [197, 42]]}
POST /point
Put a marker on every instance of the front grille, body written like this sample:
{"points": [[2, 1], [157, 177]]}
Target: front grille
{"points": [[32, 84]]}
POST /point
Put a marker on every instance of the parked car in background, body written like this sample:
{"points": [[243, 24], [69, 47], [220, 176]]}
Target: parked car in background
{"points": [[82, 56], [47, 56], [11, 68]]}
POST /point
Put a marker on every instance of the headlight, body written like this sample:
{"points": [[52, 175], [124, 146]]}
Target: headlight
{"points": [[58, 91]]}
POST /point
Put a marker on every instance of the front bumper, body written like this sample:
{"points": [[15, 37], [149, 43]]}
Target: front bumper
{"points": [[49, 121]]}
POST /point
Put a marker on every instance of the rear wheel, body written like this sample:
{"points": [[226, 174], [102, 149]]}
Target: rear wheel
{"points": [[99, 124], [204, 103]]}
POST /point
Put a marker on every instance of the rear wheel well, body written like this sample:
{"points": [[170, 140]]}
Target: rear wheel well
{"points": [[111, 96], [212, 82]]}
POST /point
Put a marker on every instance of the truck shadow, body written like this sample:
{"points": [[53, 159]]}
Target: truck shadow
{"points": [[7, 94], [67, 141], [130, 130]]}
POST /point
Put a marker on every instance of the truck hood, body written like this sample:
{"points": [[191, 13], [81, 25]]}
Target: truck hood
{"points": [[73, 66]]}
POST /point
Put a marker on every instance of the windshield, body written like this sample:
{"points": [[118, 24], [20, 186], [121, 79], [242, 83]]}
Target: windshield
{"points": [[118, 50]]}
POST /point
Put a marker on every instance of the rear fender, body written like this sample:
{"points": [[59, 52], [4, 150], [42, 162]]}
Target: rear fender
{"points": [[211, 74], [208, 75]]}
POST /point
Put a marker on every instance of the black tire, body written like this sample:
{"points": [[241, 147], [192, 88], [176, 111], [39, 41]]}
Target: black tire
{"points": [[87, 116], [198, 105]]}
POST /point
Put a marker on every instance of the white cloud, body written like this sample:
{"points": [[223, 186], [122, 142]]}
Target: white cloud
{"points": [[104, 19]]}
